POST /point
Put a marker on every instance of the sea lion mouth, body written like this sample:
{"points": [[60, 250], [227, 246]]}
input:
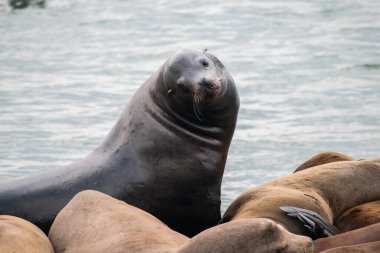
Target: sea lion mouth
{"points": [[207, 84], [206, 89]]}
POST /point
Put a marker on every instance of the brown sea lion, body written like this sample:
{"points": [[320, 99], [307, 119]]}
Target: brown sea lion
{"points": [[323, 158], [370, 247], [93, 222], [166, 153], [359, 216], [18, 236], [248, 236], [356, 217], [328, 190], [362, 235]]}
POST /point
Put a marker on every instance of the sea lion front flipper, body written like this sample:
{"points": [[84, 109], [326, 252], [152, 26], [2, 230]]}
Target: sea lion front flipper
{"points": [[318, 225]]}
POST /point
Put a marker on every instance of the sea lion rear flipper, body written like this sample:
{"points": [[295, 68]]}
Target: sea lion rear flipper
{"points": [[318, 225]]}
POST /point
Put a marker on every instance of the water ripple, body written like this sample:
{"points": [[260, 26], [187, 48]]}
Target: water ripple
{"points": [[307, 72]]}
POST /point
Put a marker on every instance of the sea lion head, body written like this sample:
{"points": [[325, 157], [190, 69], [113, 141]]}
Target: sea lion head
{"points": [[248, 235], [196, 84]]}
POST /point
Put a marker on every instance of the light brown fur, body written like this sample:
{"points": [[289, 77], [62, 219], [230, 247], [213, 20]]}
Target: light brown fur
{"points": [[371, 247], [358, 236], [323, 158], [93, 222], [359, 216], [328, 189], [18, 235], [248, 236]]}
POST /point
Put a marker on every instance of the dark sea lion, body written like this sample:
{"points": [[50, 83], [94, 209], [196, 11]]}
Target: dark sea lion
{"points": [[166, 154], [323, 158], [359, 216], [358, 236], [93, 222], [328, 190], [18, 235]]}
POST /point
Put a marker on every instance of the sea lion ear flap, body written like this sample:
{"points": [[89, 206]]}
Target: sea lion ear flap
{"points": [[318, 225]]}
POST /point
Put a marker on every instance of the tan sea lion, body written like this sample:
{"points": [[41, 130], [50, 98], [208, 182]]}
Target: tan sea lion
{"points": [[359, 216], [323, 158], [358, 236], [93, 222], [248, 236], [328, 190], [356, 217], [20, 236], [370, 247]]}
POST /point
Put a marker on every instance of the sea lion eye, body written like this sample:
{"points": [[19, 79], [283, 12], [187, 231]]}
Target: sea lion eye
{"points": [[204, 63]]}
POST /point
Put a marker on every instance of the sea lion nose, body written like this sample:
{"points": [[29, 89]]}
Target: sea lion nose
{"points": [[206, 83]]}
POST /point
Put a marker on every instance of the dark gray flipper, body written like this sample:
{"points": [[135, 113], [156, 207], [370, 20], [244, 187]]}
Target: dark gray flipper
{"points": [[318, 225]]}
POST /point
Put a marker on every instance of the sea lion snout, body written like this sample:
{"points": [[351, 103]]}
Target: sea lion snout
{"points": [[208, 84], [192, 84]]}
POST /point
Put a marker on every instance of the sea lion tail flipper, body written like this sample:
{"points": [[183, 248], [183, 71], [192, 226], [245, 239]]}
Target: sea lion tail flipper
{"points": [[318, 225]]}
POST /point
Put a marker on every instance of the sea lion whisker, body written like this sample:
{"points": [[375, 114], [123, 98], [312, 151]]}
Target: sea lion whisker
{"points": [[197, 103], [208, 84]]}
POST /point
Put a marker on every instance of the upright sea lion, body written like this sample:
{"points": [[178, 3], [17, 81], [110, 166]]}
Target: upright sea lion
{"points": [[166, 153], [93, 222], [328, 190]]}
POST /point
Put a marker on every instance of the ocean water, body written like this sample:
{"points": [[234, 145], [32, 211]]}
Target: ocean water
{"points": [[308, 74]]}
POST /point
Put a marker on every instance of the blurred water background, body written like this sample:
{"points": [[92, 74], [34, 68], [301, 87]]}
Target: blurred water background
{"points": [[308, 73]]}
